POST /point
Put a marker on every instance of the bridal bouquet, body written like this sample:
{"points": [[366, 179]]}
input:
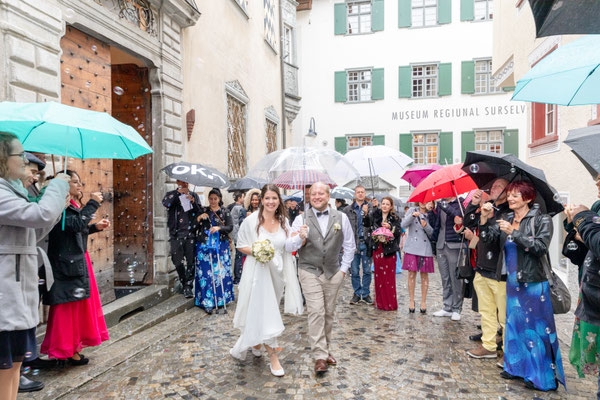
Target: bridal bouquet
{"points": [[382, 235], [263, 251]]}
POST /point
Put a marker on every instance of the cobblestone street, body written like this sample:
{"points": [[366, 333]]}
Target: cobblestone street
{"points": [[385, 355]]}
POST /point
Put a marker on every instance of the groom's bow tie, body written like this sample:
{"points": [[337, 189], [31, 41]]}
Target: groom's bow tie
{"points": [[319, 213]]}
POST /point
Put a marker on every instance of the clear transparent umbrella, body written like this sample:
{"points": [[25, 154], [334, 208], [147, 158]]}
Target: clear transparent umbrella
{"points": [[325, 161]]}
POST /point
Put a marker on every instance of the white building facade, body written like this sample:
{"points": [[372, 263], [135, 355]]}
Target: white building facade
{"points": [[410, 74]]}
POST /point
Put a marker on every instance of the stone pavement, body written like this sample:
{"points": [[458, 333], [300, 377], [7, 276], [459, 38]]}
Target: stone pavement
{"points": [[383, 355]]}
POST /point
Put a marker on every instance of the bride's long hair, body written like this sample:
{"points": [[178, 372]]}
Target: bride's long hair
{"points": [[280, 213]]}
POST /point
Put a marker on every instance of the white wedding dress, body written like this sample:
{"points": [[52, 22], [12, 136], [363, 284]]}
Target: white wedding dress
{"points": [[261, 288]]}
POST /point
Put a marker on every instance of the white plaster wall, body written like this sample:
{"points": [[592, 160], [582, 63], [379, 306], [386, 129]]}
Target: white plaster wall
{"points": [[226, 45], [321, 53]]}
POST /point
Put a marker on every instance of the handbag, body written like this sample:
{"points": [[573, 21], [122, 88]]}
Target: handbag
{"points": [[559, 293], [464, 269]]}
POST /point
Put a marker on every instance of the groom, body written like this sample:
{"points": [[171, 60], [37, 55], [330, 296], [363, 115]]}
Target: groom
{"points": [[322, 236]]}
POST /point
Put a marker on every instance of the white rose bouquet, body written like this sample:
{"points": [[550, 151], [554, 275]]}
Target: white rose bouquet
{"points": [[263, 251]]}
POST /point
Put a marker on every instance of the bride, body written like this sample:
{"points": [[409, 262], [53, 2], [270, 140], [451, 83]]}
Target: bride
{"points": [[257, 313]]}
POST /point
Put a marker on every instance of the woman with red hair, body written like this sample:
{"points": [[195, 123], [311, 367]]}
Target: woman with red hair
{"points": [[531, 349]]}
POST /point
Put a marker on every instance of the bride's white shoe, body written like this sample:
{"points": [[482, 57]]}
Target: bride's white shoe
{"points": [[277, 372], [257, 352], [240, 357]]}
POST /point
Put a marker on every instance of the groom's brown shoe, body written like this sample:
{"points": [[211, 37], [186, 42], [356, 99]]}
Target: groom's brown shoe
{"points": [[331, 360], [320, 366]]}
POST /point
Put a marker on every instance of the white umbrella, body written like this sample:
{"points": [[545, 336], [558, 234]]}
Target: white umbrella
{"points": [[376, 160]]}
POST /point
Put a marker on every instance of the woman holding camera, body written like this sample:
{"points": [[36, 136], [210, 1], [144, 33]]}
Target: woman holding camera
{"points": [[418, 254]]}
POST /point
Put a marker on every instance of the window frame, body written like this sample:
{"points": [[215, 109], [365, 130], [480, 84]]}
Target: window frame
{"points": [[488, 142], [289, 50], [360, 14], [423, 7], [489, 78], [488, 3], [423, 77], [536, 138], [350, 136], [358, 83], [424, 146]]}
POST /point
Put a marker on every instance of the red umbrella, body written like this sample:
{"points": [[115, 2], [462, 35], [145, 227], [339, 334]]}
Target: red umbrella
{"points": [[446, 182], [297, 179]]}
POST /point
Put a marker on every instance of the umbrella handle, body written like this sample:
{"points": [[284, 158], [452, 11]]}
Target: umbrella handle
{"points": [[458, 200], [65, 171]]}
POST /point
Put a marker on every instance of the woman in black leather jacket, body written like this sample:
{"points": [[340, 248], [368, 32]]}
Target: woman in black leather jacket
{"points": [[531, 350]]}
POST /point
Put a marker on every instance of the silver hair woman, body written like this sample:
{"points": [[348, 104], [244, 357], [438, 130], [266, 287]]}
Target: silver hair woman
{"points": [[22, 225]]}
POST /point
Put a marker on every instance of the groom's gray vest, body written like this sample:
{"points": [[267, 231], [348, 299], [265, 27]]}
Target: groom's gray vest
{"points": [[321, 253]]}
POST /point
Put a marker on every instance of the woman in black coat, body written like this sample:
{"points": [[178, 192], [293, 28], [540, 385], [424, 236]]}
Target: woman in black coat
{"points": [[384, 254], [76, 319]]}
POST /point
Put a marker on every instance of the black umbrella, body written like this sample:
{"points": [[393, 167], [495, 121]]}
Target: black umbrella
{"points": [[585, 144], [564, 17], [196, 174], [484, 167], [247, 183]]}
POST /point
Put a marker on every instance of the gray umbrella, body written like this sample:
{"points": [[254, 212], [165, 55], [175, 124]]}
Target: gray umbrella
{"points": [[247, 183], [342, 193], [196, 174], [585, 143]]}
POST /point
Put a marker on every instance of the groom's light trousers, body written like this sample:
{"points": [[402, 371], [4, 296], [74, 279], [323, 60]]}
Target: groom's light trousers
{"points": [[320, 294]]}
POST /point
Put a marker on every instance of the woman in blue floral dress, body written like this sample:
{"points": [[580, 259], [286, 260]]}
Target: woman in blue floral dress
{"points": [[531, 350], [214, 284]]}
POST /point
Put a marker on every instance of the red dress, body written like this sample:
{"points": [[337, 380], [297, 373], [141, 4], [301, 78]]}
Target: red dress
{"points": [[77, 324], [385, 280]]}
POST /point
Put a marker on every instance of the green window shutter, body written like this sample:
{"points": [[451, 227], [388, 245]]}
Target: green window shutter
{"points": [[467, 10], [404, 82], [467, 81], [508, 89], [404, 13], [377, 84], [445, 148], [340, 12], [467, 143], [340, 144], [379, 140], [445, 81], [406, 143], [511, 142], [444, 11], [340, 86], [377, 15]]}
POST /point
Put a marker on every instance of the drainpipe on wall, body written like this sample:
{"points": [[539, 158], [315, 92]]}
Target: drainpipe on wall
{"points": [[282, 77]]}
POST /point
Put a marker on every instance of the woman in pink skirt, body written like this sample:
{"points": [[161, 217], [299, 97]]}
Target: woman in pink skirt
{"points": [[76, 319], [384, 254], [418, 253]]}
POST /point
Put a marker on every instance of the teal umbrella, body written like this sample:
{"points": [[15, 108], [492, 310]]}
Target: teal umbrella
{"points": [[55, 128], [568, 76]]}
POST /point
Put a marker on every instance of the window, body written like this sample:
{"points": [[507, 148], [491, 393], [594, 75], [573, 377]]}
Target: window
{"points": [[271, 136], [236, 137], [483, 10], [359, 85], [359, 17], [489, 141], [357, 141], [425, 148], [270, 23], [484, 83], [424, 80], [288, 45], [424, 12], [550, 110]]}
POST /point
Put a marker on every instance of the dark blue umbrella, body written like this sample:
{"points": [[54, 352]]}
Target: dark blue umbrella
{"points": [[247, 183]]}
